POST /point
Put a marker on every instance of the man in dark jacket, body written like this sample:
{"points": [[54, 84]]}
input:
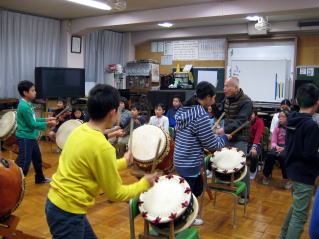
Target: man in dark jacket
{"points": [[238, 108], [302, 162]]}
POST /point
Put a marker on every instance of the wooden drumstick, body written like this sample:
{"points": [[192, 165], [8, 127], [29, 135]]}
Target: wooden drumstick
{"points": [[156, 155], [63, 111], [131, 134], [218, 121], [240, 128], [119, 112]]}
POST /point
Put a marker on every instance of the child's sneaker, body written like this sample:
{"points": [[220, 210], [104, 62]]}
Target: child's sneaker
{"points": [[45, 180], [253, 175], [265, 181], [209, 174], [288, 185], [198, 222]]}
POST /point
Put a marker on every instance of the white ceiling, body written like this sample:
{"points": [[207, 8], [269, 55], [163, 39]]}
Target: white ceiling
{"points": [[63, 9]]}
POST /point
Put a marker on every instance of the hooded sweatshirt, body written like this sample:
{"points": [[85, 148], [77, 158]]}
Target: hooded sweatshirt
{"points": [[193, 134], [302, 144]]}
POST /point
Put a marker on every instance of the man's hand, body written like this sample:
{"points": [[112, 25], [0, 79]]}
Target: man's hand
{"points": [[129, 158], [220, 131], [229, 136]]}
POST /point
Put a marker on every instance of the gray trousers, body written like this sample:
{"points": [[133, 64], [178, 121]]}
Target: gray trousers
{"points": [[242, 145]]}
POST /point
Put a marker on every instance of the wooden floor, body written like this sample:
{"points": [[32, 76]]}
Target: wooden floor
{"points": [[266, 210]]}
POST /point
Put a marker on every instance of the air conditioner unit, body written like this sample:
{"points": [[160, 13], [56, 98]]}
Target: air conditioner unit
{"points": [[263, 24]]}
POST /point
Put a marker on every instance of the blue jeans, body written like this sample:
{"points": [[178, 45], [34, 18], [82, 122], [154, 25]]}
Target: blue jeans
{"points": [[66, 225], [29, 151]]}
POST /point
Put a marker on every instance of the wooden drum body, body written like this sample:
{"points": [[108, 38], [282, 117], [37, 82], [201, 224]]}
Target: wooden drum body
{"points": [[12, 187], [144, 144]]}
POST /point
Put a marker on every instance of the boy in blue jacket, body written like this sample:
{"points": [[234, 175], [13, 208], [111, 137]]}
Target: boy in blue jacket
{"points": [[302, 160]]}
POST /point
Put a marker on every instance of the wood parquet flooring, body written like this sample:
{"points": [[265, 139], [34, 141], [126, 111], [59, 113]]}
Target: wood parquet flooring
{"points": [[266, 212]]}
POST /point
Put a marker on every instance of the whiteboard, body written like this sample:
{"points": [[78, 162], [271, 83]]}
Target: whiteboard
{"points": [[209, 76], [262, 80]]}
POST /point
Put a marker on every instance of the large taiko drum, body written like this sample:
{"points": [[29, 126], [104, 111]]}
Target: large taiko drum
{"points": [[170, 199], [12, 187], [8, 127], [144, 144], [228, 161], [65, 130]]}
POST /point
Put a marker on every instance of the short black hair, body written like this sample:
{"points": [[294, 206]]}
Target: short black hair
{"points": [[285, 102], [124, 100], [74, 109], [62, 100], [137, 107], [307, 95], [177, 97], [102, 99], [159, 105], [24, 85]]}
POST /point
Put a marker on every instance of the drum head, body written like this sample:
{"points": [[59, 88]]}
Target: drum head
{"points": [[145, 140], [173, 192], [226, 178], [228, 160], [7, 124], [65, 130]]}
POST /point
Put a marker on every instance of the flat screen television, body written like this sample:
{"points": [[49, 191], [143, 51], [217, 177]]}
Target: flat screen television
{"points": [[52, 82]]}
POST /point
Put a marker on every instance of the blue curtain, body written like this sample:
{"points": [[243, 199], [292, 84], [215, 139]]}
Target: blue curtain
{"points": [[102, 48], [26, 42]]}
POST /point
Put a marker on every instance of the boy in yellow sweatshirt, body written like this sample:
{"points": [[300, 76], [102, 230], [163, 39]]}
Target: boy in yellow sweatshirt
{"points": [[87, 164]]}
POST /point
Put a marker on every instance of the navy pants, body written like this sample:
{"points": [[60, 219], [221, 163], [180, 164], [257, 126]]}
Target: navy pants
{"points": [[66, 225], [29, 151]]}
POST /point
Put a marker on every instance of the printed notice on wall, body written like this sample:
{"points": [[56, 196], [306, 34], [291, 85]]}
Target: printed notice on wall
{"points": [[166, 60], [185, 50], [211, 49], [168, 48]]}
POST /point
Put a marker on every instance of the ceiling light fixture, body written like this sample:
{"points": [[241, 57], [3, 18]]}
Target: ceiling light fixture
{"points": [[165, 24], [252, 18], [92, 3]]}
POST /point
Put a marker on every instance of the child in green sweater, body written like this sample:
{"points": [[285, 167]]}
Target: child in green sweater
{"points": [[28, 131]]}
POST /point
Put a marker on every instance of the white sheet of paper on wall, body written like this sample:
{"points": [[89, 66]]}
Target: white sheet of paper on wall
{"points": [[303, 70], [209, 76], [310, 71]]}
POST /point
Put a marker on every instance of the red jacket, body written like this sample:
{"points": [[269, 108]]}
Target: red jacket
{"points": [[256, 130]]}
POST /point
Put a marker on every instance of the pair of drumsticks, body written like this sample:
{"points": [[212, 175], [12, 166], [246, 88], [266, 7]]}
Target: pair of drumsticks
{"points": [[236, 130]]}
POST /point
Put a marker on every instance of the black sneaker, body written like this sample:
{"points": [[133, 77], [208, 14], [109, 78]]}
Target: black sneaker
{"points": [[45, 180]]}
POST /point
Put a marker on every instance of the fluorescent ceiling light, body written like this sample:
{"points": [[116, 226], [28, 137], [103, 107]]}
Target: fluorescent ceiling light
{"points": [[165, 24], [252, 18], [92, 3]]}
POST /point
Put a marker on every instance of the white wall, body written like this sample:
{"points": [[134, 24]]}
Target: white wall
{"points": [[68, 59]]}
